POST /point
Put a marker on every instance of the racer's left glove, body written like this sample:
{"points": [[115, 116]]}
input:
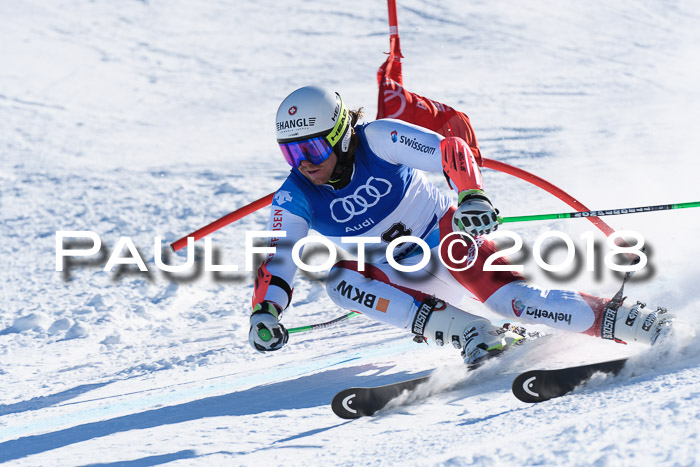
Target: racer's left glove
{"points": [[475, 214], [266, 333]]}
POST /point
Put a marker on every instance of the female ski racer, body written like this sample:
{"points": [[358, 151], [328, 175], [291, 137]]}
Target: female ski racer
{"points": [[365, 183]]}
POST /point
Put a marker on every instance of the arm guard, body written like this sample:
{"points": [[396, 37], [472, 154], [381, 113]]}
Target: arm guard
{"points": [[263, 280], [459, 165]]}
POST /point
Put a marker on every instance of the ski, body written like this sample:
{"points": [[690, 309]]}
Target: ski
{"points": [[360, 402], [541, 385]]}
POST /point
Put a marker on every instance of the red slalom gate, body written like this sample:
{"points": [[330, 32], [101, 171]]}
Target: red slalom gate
{"points": [[226, 220], [395, 101]]}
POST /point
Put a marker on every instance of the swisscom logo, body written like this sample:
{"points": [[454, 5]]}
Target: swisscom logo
{"points": [[394, 136]]}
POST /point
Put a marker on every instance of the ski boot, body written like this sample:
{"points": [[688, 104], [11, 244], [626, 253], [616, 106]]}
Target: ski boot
{"points": [[439, 322], [634, 323]]}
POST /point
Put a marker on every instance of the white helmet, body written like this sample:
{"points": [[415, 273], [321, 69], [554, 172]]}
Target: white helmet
{"points": [[312, 113]]}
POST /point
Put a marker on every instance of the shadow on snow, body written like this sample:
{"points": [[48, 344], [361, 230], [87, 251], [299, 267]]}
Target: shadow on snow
{"points": [[301, 393]]}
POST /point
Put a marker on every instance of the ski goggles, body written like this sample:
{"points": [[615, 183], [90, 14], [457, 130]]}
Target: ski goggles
{"points": [[318, 147], [315, 150]]}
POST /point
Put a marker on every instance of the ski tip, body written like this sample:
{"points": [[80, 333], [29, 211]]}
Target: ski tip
{"points": [[344, 405], [541, 385], [525, 387], [354, 403]]}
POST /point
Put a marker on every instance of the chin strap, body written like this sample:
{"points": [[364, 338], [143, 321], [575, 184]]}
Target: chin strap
{"points": [[343, 170], [342, 174]]}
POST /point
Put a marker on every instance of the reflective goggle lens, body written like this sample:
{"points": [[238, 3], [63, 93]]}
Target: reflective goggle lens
{"points": [[314, 150]]}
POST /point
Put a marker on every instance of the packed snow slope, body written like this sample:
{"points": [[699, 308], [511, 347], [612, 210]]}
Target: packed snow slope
{"points": [[148, 119]]}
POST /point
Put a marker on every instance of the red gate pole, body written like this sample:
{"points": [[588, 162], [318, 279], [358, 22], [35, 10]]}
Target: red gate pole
{"points": [[226, 220], [549, 188]]}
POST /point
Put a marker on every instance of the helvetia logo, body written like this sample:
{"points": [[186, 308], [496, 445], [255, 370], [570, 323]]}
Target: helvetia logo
{"points": [[394, 136], [518, 307], [292, 110], [536, 313]]}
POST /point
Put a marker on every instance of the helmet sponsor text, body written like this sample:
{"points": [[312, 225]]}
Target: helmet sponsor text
{"points": [[296, 123]]}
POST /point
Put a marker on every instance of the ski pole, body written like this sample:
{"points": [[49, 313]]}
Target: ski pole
{"points": [[327, 324], [503, 220], [606, 212]]}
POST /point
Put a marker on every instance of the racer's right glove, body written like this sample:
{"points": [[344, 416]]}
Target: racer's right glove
{"points": [[475, 214], [266, 333]]}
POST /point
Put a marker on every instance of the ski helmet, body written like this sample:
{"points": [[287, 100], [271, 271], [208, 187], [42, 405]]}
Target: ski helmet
{"points": [[311, 122]]}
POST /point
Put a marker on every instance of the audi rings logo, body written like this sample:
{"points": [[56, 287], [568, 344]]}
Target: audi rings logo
{"points": [[366, 196]]}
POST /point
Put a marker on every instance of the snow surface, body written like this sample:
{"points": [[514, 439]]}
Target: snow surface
{"points": [[150, 119]]}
